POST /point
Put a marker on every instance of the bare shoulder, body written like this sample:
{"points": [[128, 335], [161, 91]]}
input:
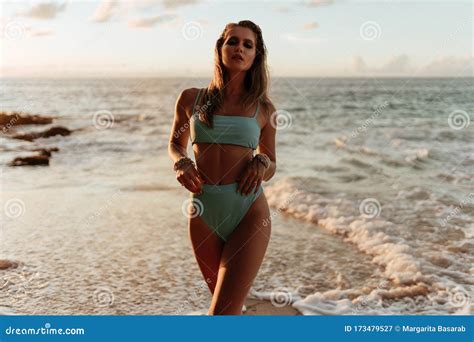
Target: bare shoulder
{"points": [[186, 98]]}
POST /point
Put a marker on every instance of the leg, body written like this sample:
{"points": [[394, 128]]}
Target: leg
{"points": [[207, 248], [241, 259]]}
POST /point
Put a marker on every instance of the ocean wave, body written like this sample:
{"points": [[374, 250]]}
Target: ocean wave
{"points": [[296, 109], [409, 276], [331, 168], [359, 163], [146, 187]]}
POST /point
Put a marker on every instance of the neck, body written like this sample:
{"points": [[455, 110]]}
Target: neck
{"points": [[234, 85]]}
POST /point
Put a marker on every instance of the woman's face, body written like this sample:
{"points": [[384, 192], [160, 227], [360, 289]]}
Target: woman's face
{"points": [[238, 51]]}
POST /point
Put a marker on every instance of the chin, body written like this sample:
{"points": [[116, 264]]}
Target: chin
{"points": [[235, 67]]}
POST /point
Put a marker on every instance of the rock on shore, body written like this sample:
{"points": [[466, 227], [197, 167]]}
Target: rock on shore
{"points": [[8, 120]]}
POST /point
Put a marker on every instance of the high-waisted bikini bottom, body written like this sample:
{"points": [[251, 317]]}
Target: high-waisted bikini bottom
{"points": [[222, 208]]}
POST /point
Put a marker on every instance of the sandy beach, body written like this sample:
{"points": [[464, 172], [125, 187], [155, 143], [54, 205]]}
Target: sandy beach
{"points": [[257, 307]]}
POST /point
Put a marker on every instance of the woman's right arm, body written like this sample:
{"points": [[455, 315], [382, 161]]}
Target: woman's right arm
{"points": [[186, 174]]}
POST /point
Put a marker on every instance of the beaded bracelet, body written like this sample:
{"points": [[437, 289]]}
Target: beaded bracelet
{"points": [[181, 162], [264, 159]]}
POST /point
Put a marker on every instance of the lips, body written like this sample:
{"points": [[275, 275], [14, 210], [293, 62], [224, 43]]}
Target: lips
{"points": [[238, 57]]}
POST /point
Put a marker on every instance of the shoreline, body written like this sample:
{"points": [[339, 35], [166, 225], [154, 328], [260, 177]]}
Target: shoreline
{"points": [[255, 307], [259, 307]]}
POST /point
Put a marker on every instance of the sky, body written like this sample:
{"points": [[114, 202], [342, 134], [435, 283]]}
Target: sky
{"points": [[304, 38]]}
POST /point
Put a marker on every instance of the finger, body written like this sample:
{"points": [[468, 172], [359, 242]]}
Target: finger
{"points": [[196, 178], [258, 185], [261, 173], [246, 185], [196, 175], [189, 184], [252, 178], [254, 186], [250, 184], [198, 184], [242, 182], [181, 180], [201, 178]]}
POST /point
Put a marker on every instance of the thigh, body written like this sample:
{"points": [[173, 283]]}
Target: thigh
{"points": [[207, 248], [241, 259]]}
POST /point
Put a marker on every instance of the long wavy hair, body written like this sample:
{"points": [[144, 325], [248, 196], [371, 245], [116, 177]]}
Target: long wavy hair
{"points": [[256, 78]]}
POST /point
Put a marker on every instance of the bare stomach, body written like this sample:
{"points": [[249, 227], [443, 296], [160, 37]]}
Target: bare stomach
{"points": [[221, 163]]}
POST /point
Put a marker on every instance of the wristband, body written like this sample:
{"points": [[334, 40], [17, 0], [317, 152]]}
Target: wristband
{"points": [[264, 159], [181, 162]]}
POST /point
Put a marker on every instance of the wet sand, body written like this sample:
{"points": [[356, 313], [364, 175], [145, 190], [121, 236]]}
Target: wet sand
{"points": [[257, 307]]}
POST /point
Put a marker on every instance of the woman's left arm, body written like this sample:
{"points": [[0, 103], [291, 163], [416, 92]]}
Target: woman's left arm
{"points": [[267, 141], [257, 172]]}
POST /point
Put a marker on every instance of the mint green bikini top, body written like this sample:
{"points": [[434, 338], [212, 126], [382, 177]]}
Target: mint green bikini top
{"points": [[227, 129]]}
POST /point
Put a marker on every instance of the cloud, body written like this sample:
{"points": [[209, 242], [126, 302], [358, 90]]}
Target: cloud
{"points": [[450, 66], [358, 64], [402, 65], [44, 10], [151, 21], [282, 9], [315, 3], [104, 11], [178, 3], [39, 33], [396, 65], [109, 8], [14, 29], [311, 26], [297, 39]]}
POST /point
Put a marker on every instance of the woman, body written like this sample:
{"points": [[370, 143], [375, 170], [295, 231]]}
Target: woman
{"points": [[227, 121]]}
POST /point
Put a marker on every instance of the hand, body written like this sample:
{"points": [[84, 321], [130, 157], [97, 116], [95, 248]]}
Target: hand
{"points": [[190, 178], [251, 178]]}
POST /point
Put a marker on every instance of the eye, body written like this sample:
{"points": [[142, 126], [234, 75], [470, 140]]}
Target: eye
{"points": [[248, 45], [231, 41]]}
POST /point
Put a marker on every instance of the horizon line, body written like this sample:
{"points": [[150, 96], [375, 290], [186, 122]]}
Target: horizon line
{"points": [[206, 77]]}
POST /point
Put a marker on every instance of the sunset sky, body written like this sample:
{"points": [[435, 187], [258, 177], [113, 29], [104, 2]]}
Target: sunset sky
{"points": [[176, 38]]}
